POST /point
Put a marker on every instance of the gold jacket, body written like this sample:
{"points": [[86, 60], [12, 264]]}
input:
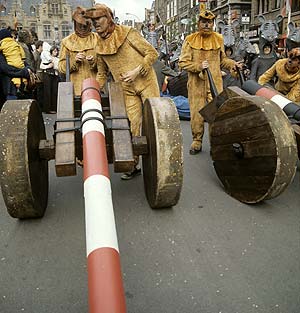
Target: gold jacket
{"points": [[72, 45], [195, 50], [288, 84], [123, 51]]}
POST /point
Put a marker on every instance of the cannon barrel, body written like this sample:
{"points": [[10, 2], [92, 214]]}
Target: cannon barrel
{"points": [[213, 88], [105, 285], [291, 109], [241, 75]]}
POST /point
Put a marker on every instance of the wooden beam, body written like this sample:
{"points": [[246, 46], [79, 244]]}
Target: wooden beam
{"points": [[123, 153], [65, 159]]}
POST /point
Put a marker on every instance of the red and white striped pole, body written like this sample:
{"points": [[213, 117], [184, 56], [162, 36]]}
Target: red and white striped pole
{"points": [[105, 284], [291, 109]]}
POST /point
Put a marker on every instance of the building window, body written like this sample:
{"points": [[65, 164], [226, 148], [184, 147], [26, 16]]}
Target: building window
{"points": [[276, 4], [47, 31], [267, 6], [175, 8], [194, 3], [33, 27], [65, 31], [263, 6], [54, 7], [295, 7], [2, 10], [32, 11]]}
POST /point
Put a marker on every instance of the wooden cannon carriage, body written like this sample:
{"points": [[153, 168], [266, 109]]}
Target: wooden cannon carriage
{"points": [[253, 141], [25, 149]]}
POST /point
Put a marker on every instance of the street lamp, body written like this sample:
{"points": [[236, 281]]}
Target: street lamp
{"points": [[133, 19]]}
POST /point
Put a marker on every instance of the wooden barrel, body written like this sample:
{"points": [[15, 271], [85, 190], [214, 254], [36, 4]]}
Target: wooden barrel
{"points": [[177, 86], [253, 148]]}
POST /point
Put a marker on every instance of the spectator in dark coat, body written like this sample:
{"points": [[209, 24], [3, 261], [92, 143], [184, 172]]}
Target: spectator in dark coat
{"points": [[162, 70], [263, 62]]}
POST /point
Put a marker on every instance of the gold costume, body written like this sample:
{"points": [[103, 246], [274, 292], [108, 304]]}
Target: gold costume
{"points": [[72, 45], [196, 49], [124, 50], [288, 83], [79, 45]]}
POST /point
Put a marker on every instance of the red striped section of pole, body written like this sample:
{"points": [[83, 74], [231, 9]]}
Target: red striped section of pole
{"points": [[291, 109], [105, 284]]}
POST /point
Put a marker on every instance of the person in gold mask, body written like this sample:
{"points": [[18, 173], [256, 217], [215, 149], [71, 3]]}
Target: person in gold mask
{"points": [[129, 58], [80, 46], [287, 74], [201, 50]]}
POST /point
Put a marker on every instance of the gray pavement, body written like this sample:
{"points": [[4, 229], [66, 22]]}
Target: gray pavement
{"points": [[209, 254]]}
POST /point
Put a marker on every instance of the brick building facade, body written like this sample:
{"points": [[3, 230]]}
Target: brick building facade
{"points": [[180, 16]]}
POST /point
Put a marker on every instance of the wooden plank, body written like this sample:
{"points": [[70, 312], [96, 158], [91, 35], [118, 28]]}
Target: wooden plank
{"points": [[251, 149], [236, 106], [248, 120], [122, 146], [250, 189], [260, 132], [65, 159], [257, 166]]}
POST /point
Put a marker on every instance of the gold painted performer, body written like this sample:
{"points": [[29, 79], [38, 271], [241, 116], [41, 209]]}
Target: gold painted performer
{"points": [[129, 57], [200, 50], [80, 46], [287, 72]]}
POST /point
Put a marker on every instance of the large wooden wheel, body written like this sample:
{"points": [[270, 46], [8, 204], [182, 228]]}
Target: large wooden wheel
{"points": [[24, 175], [163, 164], [253, 148]]}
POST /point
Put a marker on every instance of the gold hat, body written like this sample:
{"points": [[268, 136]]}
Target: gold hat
{"points": [[206, 14], [78, 16], [99, 10]]}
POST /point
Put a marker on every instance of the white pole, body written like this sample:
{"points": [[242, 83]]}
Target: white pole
{"points": [[289, 11]]}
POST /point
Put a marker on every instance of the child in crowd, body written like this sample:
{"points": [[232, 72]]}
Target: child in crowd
{"points": [[13, 53]]}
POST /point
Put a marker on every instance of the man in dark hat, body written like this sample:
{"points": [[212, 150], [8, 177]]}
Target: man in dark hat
{"points": [[287, 72], [129, 57], [201, 50], [263, 62]]}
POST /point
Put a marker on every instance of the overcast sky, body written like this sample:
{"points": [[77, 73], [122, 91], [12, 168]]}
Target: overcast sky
{"points": [[136, 7]]}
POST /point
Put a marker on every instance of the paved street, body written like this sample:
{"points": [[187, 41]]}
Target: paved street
{"points": [[209, 254]]}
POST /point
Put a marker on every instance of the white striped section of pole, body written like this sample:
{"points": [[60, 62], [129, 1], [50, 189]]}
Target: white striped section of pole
{"points": [[291, 109], [105, 284]]}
